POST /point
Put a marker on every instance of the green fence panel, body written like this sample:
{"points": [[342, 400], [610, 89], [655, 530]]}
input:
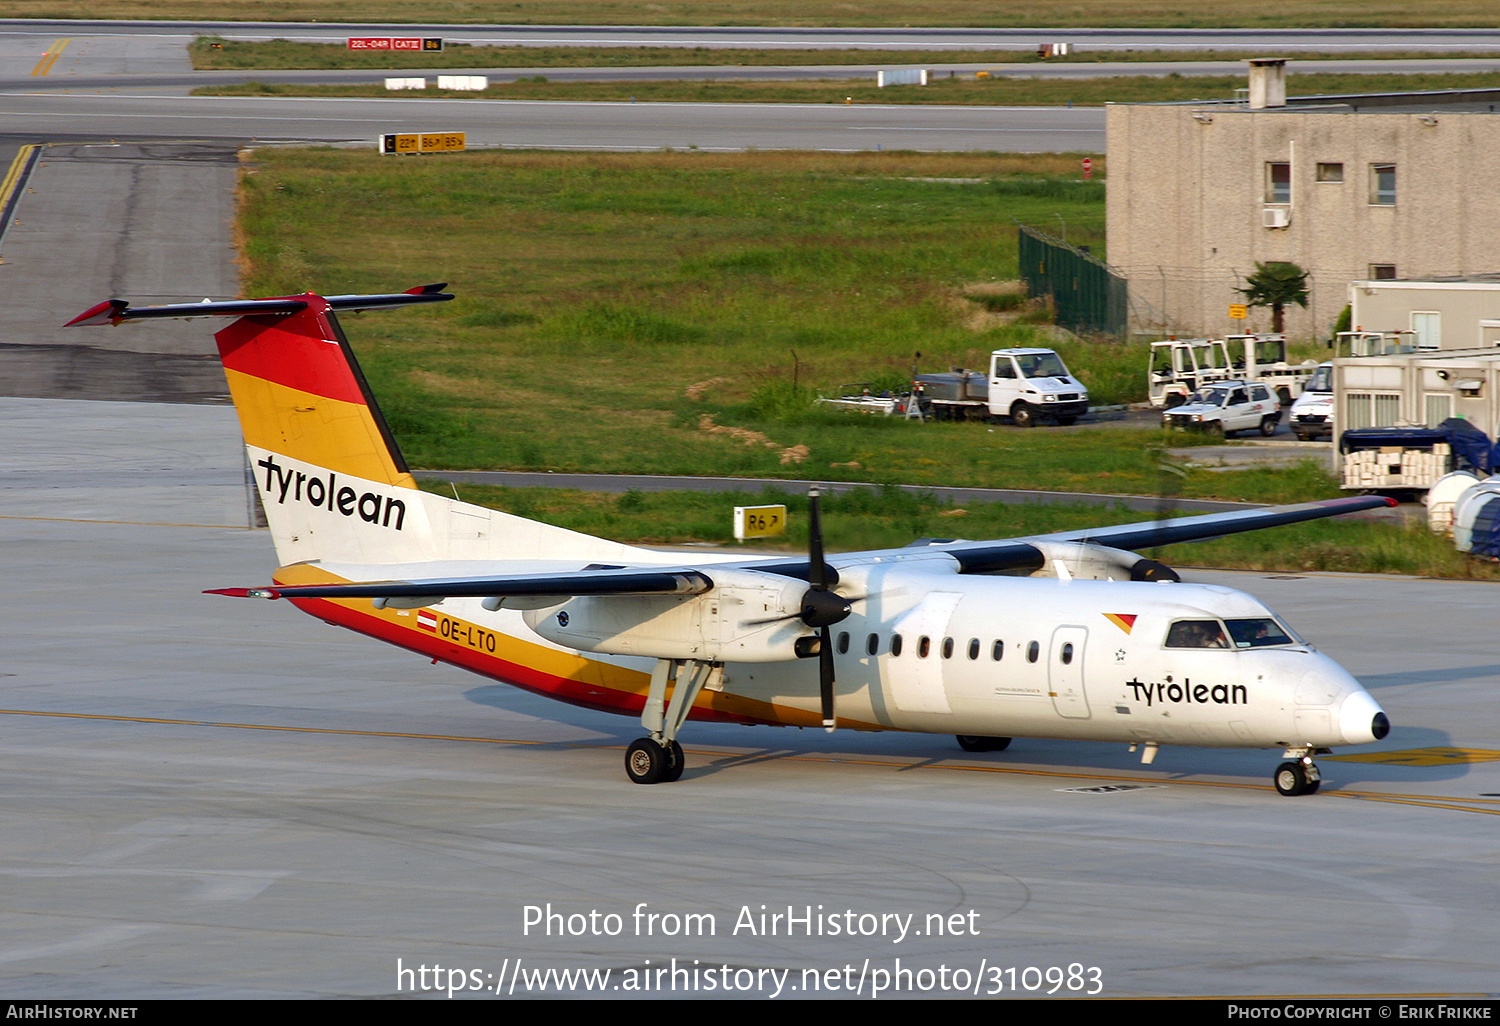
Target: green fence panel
{"points": [[1090, 297]]}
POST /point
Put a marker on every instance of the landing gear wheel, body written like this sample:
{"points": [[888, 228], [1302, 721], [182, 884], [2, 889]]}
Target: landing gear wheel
{"points": [[975, 743], [674, 772], [647, 762], [1022, 415], [1269, 424], [1297, 778]]}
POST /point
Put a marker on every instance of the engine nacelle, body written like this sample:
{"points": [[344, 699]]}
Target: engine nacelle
{"points": [[1089, 562], [724, 624]]}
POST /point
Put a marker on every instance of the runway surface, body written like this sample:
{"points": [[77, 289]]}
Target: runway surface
{"points": [[1405, 39], [208, 798]]}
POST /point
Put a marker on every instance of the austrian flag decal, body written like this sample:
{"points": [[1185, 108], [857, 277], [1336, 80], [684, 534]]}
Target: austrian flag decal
{"points": [[427, 620], [1124, 621]]}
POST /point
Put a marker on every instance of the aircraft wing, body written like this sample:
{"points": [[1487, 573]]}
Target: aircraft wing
{"points": [[995, 557], [978, 557]]}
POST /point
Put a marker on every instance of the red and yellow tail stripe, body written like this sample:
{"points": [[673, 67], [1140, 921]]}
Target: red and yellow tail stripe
{"points": [[300, 394]]}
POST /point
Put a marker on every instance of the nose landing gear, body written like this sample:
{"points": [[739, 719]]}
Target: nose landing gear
{"points": [[1299, 775]]}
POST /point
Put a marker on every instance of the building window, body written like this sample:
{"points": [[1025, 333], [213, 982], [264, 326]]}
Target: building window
{"points": [[1278, 183], [1439, 407], [1428, 327], [1382, 272], [1366, 409], [1383, 185], [1330, 172]]}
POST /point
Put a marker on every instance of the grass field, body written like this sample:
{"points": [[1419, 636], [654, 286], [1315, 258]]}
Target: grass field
{"points": [[674, 313], [870, 518], [997, 91], [212, 53], [1013, 13]]}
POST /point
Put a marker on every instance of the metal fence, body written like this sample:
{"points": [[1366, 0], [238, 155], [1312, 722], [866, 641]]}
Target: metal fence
{"points": [[1089, 295]]}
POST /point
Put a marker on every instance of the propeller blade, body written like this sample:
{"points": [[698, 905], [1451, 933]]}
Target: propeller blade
{"points": [[817, 573], [825, 677]]}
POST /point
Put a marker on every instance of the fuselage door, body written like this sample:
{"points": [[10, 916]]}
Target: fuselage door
{"points": [[1065, 672]]}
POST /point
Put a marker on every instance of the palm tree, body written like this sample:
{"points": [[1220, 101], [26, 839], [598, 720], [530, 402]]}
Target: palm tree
{"points": [[1275, 285]]}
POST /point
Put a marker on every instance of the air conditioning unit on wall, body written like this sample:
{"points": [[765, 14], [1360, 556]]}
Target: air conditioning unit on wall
{"points": [[1275, 217]]}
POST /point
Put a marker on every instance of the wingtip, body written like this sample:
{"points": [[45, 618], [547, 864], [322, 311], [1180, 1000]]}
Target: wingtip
{"points": [[111, 311], [266, 593]]}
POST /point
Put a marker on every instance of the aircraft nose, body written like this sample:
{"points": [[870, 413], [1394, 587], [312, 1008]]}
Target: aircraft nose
{"points": [[1361, 720]]}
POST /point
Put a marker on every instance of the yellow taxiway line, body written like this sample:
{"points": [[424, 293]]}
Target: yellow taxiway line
{"points": [[49, 58], [13, 176]]}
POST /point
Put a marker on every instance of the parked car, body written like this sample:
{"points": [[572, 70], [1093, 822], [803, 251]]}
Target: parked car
{"points": [[1226, 407]]}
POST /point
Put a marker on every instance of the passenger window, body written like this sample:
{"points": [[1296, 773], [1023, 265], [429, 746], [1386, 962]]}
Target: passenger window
{"points": [[997, 651], [1067, 654], [1032, 651], [947, 648], [924, 646], [843, 642], [895, 644], [973, 648], [872, 644], [1196, 634]]}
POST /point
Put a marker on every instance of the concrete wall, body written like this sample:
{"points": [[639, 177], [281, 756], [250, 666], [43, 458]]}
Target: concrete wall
{"points": [[1187, 196], [1468, 312]]}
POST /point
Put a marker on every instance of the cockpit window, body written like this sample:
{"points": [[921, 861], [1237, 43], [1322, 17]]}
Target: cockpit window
{"points": [[1258, 633], [1197, 634], [1042, 365]]}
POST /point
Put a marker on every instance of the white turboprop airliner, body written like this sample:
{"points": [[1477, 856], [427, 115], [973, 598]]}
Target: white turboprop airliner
{"points": [[1066, 635]]}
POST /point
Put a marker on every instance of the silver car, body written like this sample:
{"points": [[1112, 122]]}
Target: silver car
{"points": [[1226, 407]]}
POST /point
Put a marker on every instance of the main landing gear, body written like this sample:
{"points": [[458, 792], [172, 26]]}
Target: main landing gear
{"points": [[658, 759], [975, 743], [1299, 775]]}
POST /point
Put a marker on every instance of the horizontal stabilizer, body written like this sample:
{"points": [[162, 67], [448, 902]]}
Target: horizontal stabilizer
{"points": [[118, 311], [561, 585]]}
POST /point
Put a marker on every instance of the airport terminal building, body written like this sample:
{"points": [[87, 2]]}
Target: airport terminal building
{"points": [[1347, 187]]}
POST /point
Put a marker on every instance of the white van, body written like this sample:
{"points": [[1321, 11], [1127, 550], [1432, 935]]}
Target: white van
{"points": [[1312, 414]]}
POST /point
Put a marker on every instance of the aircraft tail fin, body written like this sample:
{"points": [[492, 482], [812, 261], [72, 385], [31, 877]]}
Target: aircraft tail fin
{"points": [[294, 380], [331, 478]]}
